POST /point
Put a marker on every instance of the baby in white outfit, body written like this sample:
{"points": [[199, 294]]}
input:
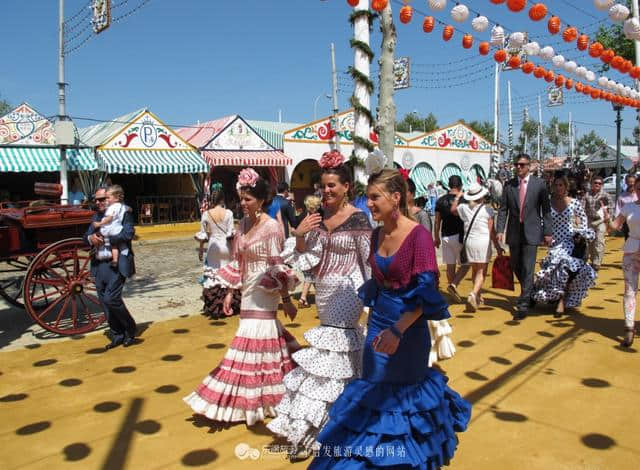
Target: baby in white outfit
{"points": [[111, 223]]}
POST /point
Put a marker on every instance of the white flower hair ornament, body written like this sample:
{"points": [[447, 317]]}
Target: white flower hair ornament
{"points": [[375, 162]]}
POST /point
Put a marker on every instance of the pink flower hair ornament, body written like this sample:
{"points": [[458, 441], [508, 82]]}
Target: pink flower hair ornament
{"points": [[247, 177], [332, 159]]}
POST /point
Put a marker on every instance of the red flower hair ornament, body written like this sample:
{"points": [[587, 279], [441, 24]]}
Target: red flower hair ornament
{"points": [[332, 159], [404, 173]]}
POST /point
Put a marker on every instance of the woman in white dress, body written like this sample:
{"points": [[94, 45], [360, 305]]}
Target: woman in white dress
{"points": [[479, 233], [247, 384], [335, 250], [216, 230]]}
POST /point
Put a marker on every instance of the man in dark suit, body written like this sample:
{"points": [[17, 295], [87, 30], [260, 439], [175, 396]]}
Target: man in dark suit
{"points": [[281, 204], [525, 200], [110, 279]]}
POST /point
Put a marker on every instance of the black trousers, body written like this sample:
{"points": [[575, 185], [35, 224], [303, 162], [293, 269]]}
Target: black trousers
{"points": [[523, 263], [109, 284]]}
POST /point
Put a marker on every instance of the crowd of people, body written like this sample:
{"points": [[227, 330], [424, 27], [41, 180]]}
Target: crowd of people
{"points": [[369, 396]]}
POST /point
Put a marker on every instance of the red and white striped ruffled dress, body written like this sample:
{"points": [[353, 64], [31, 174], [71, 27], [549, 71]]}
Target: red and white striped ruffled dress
{"points": [[247, 384]]}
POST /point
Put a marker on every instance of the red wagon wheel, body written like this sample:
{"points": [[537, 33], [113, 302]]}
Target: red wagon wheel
{"points": [[59, 292]]}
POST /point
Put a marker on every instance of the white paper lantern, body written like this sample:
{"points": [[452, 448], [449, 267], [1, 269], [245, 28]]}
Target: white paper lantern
{"points": [[460, 13], [611, 84], [631, 29], [480, 24], [619, 87], [547, 52], [603, 5], [531, 48], [438, 5], [628, 89], [558, 60], [570, 66], [497, 36], [603, 82], [618, 13], [516, 40], [581, 72], [590, 76]]}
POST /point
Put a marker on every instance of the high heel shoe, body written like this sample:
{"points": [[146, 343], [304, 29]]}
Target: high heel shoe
{"points": [[559, 309], [472, 302], [629, 335]]}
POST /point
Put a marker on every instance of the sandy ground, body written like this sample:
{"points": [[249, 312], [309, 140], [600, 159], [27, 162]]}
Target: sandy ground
{"points": [[546, 393]]}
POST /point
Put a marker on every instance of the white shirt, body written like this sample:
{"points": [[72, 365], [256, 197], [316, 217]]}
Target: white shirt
{"points": [[631, 213]]}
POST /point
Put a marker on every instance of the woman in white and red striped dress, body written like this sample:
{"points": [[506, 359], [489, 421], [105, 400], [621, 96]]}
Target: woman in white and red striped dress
{"points": [[247, 384]]}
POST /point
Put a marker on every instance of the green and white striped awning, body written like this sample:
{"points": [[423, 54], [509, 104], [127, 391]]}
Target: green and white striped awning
{"points": [[422, 175], [40, 159], [448, 171], [155, 162]]}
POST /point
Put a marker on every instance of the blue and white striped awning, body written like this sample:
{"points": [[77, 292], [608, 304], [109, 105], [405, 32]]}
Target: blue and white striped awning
{"points": [[40, 159], [155, 162]]}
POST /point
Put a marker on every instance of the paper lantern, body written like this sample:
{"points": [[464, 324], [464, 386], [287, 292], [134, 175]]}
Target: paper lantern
{"points": [[538, 11], [531, 48], [500, 56], [547, 52], [514, 62], [611, 84], [631, 29], [484, 47], [559, 80], [467, 41], [607, 56], [528, 67], [553, 25], [618, 13], [516, 5], [595, 94], [549, 76], [568, 84], [635, 72], [590, 76], [516, 40], [353, 3], [447, 32], [570, 34], [595, 49], [581, 71], [480, 24], [497, 2], [602, 81], [603, 5], [579, 87], [379, 5], [626, 66], [539, 72], [406, 12], [558, 60], [438, 5], [497, 36], [583, 42], [428, 24], [616, 62], [460, 13]]}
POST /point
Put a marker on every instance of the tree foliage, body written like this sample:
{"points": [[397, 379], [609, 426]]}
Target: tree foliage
{"points": [[612, 37], [589, 143], [5, 107], [557, 134], [414, 122]]}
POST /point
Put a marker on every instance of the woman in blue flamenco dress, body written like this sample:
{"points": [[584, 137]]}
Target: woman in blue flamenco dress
{"points": [[401, 414]]}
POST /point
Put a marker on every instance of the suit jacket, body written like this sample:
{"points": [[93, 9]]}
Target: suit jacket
{"points": [[126, 264], [536, 216]]}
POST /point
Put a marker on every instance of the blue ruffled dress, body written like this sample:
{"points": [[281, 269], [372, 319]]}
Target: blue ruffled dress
{"points": [[401, 413]]}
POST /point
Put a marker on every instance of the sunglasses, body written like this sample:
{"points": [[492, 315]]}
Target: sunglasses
{"points": [[597, 182], [520, 165]]}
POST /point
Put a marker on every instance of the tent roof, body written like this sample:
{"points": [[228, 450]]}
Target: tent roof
{"points": [[99, 134], [201, 134]]}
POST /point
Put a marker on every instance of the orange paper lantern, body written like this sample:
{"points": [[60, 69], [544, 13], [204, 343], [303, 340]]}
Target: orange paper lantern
{"points": [[497, 2], [447, 32], [516, 5], [595, 94], [570, 34], [559, 81], [607, 56], [353, 3], [539, 72], [428, 24], [549, 75], [406, 12], [500, 56], [635, 72], [379, 5], [467, 41], [484, 48], [579, 87], [514, 62], [587, 90], [616, 62], [626, 66], [553, 25], [538, 11], [583, 42], [595, 49], [568, 84], [528, 67]]}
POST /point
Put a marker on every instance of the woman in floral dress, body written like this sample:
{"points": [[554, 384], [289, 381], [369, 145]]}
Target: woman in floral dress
{"points": [[247, 384], [335, 251]]}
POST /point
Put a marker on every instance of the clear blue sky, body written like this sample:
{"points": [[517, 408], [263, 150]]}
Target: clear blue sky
{"points": [[195, 60]]}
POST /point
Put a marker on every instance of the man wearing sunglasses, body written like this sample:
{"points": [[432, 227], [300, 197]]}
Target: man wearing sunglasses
{"points": [[110, 279], [598, 206], [526, 213]]}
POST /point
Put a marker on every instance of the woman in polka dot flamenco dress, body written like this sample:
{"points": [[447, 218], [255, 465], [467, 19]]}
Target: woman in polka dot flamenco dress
{"points": [[247, 384], [565, 277], [400, 413], [335, 250]]}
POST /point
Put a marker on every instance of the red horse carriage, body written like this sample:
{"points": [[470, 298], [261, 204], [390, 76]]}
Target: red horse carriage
{"points": [[46, 267]]}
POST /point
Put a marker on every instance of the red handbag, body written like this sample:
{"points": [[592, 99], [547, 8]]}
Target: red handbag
{"points": [[501, 273]]}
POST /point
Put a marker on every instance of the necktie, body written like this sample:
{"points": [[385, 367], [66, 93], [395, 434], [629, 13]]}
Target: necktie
{"points": [[523, 193]]}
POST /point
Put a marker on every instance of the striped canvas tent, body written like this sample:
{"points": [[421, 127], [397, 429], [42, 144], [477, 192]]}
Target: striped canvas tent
{"points": [[448, 171], [422, 175]]}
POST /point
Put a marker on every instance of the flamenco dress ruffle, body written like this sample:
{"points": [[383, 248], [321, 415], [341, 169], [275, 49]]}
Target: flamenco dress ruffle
{"points": [[213, 294], [401, 413]]}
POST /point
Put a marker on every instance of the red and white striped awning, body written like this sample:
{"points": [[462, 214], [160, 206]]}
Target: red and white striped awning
{"points": [[246, 158]]}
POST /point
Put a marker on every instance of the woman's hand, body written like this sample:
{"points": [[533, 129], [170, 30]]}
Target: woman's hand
{"points": [[226, 304], [290, 310], [310, 222], [386, 342]]}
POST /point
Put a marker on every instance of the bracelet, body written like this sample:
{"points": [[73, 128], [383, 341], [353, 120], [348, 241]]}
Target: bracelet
{"points": [[286, 299], [395, 331]]}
